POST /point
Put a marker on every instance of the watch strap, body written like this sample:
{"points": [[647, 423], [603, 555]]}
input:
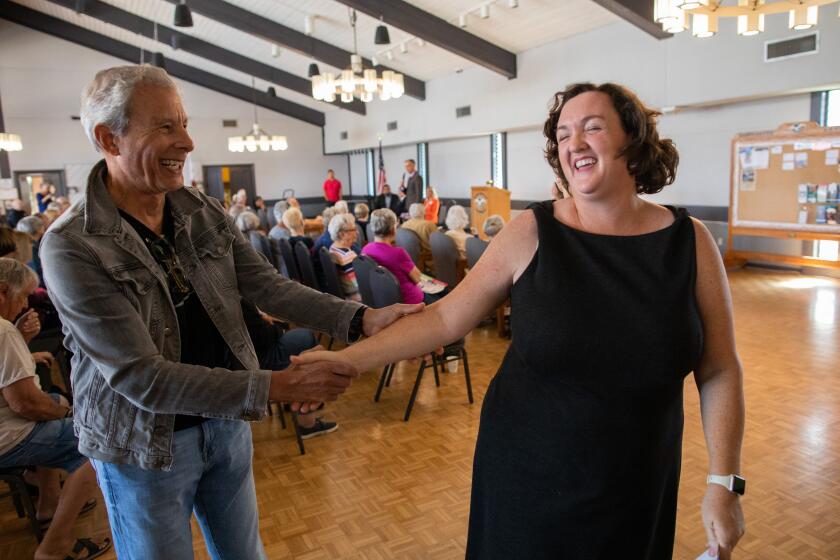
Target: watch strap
{"points": [[732, 482]]}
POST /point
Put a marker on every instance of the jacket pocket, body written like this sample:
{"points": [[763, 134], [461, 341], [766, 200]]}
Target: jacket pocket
{"points": [[135, 277], [214, 252]]}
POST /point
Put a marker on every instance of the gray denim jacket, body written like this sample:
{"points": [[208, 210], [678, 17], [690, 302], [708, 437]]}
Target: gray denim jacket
{"points": [[120, 323]]}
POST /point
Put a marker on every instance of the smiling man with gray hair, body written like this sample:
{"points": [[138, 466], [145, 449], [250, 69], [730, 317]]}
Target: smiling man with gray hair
{"points": [[147, 276]]}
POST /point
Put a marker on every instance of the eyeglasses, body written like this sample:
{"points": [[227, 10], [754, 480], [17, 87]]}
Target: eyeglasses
{"points": [[164, 253]]}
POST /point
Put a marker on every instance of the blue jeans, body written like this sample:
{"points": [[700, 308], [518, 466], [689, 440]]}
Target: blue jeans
{"points": [[149, 510]]}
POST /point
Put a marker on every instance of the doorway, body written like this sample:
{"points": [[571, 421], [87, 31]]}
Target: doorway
{"points": [[29, 183], [223, 181]]}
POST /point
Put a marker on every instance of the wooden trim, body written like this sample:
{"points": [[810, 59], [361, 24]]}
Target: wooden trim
{"points": [[249, 22], [439, 32], [188, 43], [785, 234], [740, 257]]}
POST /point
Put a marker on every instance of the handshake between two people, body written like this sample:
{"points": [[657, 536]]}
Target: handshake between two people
{"points": [[318, 376]]}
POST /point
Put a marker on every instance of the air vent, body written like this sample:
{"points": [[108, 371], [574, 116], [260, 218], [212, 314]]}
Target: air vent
{"points": [[75, 118], [343, 135], [464, 111], [392, 125], [789, 48], [229, 123]]}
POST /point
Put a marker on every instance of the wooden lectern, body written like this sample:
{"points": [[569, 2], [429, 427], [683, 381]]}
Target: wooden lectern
{"points": [[486, 201]]}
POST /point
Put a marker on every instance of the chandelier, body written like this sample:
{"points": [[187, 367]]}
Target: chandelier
{"points": [[258, 139], [673, 14], [357, 81], [10, 142]]}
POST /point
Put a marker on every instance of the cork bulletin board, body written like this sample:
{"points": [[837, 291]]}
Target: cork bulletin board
{"points": [[786, 184]]}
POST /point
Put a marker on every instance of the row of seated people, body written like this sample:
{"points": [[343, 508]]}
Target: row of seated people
{"points": [[345, 235]]}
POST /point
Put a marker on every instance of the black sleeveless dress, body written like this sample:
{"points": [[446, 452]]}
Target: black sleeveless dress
{"points": [[578, 452]]}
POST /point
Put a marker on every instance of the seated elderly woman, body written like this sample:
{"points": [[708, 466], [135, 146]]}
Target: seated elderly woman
{"points": [[395, 259], [36, 429], [33, 226], [293, 220], [341, 207], [457, 222], [247, 222], [343, 232], [279, 231], [325, 239], [493, 225], [362, 213]]}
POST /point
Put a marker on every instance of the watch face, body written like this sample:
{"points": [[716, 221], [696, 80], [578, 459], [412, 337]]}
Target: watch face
{"points": [[739, 485]]}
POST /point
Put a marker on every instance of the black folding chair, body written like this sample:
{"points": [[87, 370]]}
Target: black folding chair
{"points": [[475, 248], [277, 257], [304, 263], [386, 291], [445, 256], [364, 266], [332, 285], [260, 244], [410, 241], [288, 256], [24, 505], [361, 236]]}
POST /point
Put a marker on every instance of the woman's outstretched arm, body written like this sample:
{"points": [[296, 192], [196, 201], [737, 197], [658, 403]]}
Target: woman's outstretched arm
{"points": [[485, 287]]}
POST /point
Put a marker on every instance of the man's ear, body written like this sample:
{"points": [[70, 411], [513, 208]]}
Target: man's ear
{"points": [[106, 140]]}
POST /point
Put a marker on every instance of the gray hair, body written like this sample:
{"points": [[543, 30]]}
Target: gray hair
{"points": [[33, 226], [293, 220], [279, 208], [235, 210], [341, 222], [247, 221], [417, 211], [493, 225], [383, 222], [106, 100], [456, 218], [328, 214], [341, 207], [17, 276], [361, 211]]}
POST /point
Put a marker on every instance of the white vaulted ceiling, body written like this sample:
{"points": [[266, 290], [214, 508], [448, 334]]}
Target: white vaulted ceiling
{"points": [[533, 23]]}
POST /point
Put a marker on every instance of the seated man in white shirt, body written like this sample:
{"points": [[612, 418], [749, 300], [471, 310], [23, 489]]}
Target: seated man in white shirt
{"points": [[36, 429]]}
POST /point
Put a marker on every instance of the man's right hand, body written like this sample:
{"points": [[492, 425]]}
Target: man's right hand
{"points": [[316, 381]]}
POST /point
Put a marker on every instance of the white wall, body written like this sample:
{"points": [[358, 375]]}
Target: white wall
{"points": [[456, 165], [529, 175], [41, 78]]}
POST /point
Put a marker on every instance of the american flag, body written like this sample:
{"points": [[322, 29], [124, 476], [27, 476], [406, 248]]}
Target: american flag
{"points": [[382, 180]]}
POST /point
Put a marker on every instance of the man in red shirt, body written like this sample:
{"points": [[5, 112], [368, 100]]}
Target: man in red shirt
{"points": [[332, 188]]}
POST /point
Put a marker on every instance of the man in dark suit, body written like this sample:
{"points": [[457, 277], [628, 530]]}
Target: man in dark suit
{"points": [[387, 200], [411, 184]]}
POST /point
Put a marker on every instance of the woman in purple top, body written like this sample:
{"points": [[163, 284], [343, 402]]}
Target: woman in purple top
{"points": [[384, 225]]}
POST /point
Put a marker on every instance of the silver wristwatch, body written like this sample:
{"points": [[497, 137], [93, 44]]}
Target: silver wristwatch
{"points": [[731, 482]]}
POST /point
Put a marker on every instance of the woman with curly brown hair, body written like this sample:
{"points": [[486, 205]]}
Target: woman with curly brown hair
{"points": [[615, 300]]}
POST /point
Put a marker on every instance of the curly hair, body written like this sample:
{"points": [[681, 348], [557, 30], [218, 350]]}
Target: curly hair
{"points": [[651, 161]]}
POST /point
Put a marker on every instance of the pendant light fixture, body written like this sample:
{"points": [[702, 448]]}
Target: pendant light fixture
{"points": [[382, 37], [183, 15], [674, 15], [257, 139], [357, 81], [10, 142]]}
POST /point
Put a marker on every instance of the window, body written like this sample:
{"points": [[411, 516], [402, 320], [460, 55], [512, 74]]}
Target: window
{"points": [[833, 108], [829, 116], [498, 159], [423, 164], [371, 172]]}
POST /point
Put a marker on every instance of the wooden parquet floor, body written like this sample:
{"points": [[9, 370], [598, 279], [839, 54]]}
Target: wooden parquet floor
{"points": [[380, 488]]}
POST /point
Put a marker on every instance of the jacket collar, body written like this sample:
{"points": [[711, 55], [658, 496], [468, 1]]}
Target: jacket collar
{"points": [[102, 216]]}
